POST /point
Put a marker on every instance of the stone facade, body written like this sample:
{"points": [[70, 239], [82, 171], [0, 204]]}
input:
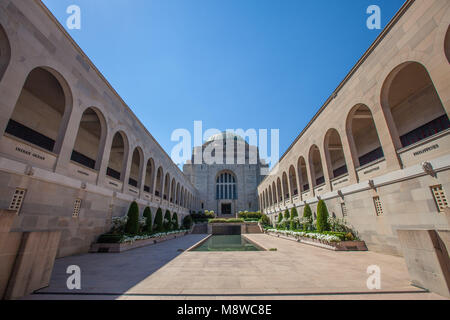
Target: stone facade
{"points": [[378, 151], [227, 182], [72, 153]]}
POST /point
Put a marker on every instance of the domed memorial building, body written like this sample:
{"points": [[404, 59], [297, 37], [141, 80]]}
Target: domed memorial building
{"points": [[226, 170]]}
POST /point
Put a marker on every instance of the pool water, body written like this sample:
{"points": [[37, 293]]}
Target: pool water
{"points": [[227, 243]]}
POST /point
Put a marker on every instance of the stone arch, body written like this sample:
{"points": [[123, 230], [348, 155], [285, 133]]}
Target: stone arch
{"points": [[118, 156], [316, 166], [285, 189], [302, 172], [274, 193], [159, 182], [293, 181], [411, 105], [447, 44], [5, 52], [279, 191], [270, 196], [136, 167], [88, 148], [166, 187], [177, 198], [172, 191], [42, 110], [334, 154], [149, 176], [363, 136]]}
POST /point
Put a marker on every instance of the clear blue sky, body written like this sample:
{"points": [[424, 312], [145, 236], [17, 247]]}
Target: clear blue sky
{"points": [[263, 64]]}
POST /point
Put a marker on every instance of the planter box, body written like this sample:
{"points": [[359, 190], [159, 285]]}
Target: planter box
{"points": [[335, 246], [122, 247]]}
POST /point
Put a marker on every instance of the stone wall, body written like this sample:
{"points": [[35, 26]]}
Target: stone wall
{"points": [[414, 39]]}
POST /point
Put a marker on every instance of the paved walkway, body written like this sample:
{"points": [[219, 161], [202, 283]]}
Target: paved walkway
{"points": [[295, 271]]}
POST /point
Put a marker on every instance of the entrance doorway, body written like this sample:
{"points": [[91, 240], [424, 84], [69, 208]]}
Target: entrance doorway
{"points": [[226, 208]]}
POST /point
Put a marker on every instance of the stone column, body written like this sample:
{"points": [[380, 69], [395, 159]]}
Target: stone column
{"points": [[10, 89], [105, 158], [66, 139], [385, 134], [125, 175], [325, 169], [349, 154]]}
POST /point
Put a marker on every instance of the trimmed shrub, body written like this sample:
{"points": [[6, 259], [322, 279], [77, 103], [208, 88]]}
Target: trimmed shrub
{"points": [[110, 238], [159, 221], [132, 226], [167, 221], [307, 218], [265, 221], [187, 222], [322, 217], [231, 220], [175, 225], [249, 215], [280, 219], [307, 212], [294, 213], [148, 220], [287, 215]]}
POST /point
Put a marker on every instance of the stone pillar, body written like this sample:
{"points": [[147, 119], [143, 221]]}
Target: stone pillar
{"points": [[10, 89], [142, 174], [427, 257], [310, 175], [66, 140], [349, 158], [9, 245], [125, 175], [105, 159], [325, 169], [385, 134], [34, 263]]}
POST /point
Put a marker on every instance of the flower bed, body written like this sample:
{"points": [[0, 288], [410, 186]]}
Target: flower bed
{"points": [[124, 243], [326, 241]]}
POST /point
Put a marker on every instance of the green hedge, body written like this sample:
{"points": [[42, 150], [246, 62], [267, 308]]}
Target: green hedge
{"points": [[265, 221], [148, 219], [187, 222], [202, 217], [132, 226], [250, 215], [226, 220], [159, 221], [175, 225], [167, 221], [322, 217], [110, 238]]}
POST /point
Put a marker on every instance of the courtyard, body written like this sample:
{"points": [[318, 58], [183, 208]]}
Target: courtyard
{"points": [[295, 271]]}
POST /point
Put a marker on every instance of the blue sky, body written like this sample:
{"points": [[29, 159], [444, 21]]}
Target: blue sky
{"points": [[263, 64]]}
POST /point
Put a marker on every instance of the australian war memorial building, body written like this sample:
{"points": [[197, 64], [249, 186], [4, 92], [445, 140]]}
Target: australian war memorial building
{"points": [[227, 174]]}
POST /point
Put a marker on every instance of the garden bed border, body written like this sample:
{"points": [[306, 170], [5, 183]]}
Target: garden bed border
{"points": [[334, 246], [122, 247]]}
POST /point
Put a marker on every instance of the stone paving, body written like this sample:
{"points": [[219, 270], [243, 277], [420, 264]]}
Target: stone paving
{"points": [[294, 271]]}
